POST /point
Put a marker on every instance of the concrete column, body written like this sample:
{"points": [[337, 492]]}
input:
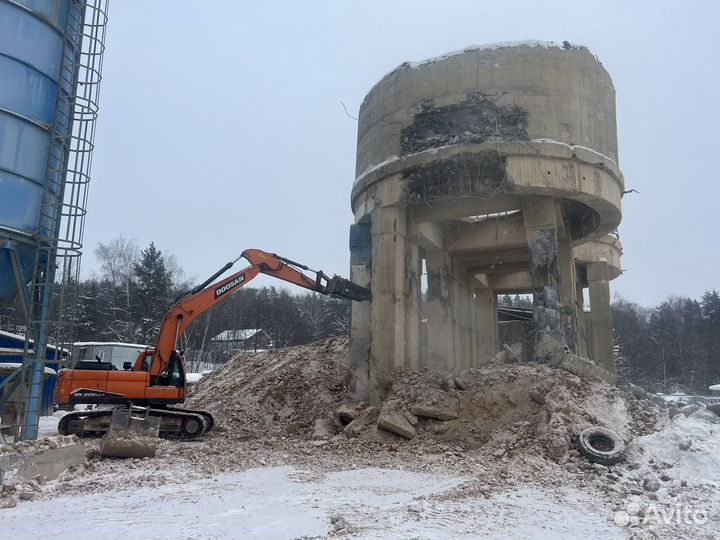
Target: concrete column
{"points": [[474, 330], [439, 324], [413, 305], [487, 324], [567, 285], [600, 315], [462, 323], [539, 219], [541, 230], [582, 343], [387, 349], [360, 338]]}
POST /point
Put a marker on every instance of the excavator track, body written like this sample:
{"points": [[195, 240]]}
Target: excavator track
{"points": [[175, 423], [206, 415]]}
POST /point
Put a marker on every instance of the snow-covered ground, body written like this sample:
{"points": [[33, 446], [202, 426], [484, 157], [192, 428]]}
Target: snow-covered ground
{"points": [[171, 497], [272, 468], [678, 399], [48, 424], [287, 503]]}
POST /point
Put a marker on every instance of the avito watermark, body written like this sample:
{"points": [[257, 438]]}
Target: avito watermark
{"points": [[679, 514]]}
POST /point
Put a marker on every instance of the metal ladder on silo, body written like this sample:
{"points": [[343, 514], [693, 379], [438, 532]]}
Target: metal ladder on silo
{"points": [[59, 236]]}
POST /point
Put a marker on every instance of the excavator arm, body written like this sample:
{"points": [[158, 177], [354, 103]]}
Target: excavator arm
{"points": [[208, 294]]}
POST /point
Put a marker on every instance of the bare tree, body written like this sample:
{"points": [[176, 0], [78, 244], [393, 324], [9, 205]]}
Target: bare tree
{"points": [[117, 258], [314, 311], [181, 282]]}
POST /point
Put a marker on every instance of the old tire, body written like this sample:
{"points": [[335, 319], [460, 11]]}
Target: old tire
{"points": [[601, 445]]}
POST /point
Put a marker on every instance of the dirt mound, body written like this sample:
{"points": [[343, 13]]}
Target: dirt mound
{"points": [[283, 391], [505, 409], [512, 408]]}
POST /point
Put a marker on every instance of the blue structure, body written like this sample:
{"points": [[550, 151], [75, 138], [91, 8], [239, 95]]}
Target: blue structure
{"points": [[32, 37], [50, 60], [10, 342]]}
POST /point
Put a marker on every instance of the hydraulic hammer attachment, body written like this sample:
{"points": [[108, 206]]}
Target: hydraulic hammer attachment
{"points": [[344, 288]]}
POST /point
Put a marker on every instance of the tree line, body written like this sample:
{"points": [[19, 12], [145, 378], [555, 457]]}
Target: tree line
{"points": [[674, 347]]}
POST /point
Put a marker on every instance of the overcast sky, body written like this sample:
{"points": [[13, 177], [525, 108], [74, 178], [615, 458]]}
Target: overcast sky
{"points": [[221, 126]]}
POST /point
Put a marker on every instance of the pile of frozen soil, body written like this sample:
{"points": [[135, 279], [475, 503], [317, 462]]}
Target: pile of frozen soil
{"points": [[507, 409], [275, 393]]}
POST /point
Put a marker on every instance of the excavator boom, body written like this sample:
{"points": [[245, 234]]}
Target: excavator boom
{"points": [[209, 293], [289, 271]]}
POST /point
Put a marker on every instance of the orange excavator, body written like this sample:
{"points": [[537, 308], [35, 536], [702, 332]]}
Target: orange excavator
{"points": [[157, 381]]}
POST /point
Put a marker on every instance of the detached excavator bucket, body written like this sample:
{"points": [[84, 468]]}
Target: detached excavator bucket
{"points": [[132, 433]]}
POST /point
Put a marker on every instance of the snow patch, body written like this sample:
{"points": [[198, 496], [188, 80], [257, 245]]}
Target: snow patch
{"points": [[609, 411], [371, 168], [700, 463], [574, 147], [15, 365], [287, 503], [530, 43]]}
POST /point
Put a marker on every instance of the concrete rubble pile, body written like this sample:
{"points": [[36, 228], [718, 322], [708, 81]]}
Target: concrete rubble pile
{"points": [[276, 393], [503, 425], [505, 409], [28, 465]]}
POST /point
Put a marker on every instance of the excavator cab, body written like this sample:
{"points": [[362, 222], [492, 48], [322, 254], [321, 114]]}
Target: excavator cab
{"points": [[173, 374], [143, 364]]}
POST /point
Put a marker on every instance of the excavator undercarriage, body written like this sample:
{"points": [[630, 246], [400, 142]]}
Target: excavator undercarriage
{"points": [[175, 423]]}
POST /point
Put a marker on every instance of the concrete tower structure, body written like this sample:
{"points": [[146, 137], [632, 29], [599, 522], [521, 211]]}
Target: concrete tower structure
{"points": [[489, 171]]}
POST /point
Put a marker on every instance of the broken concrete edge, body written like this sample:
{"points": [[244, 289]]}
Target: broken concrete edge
{"points": [[559, 356], [365, 418], [394, 419], [581, 367], [447, 410], [347, 412], [49, 464], [544, 148], [637, 391]]}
